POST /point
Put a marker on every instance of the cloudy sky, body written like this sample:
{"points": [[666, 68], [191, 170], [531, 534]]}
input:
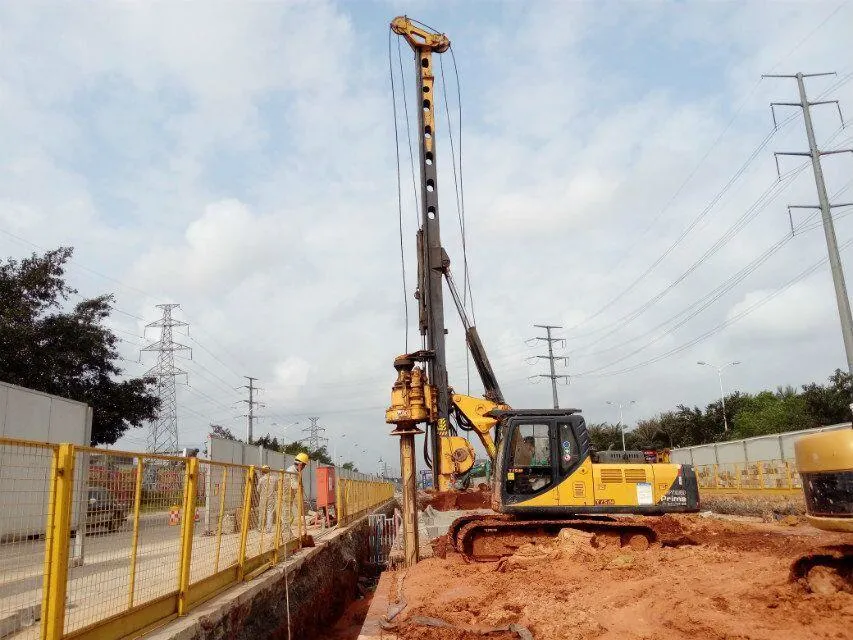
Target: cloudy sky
{"points": [[618, 172]]}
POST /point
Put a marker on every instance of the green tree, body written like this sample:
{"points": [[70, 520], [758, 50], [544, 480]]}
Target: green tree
{"points": [[605, 436], [350, 466], [64, 351], [829, 404], [223, 432], [772, 413], [318, 455], [650, 434]]}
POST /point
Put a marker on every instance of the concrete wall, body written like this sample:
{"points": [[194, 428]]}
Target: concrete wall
{"points": [[771, 447], [25, 471], [222, 450]]}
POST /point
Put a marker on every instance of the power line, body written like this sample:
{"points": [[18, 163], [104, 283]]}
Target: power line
{"points": [[729, 321], [729, 184], [763, 201]]}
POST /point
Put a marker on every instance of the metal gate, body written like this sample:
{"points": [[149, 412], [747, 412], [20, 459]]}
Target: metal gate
{"points": [[383, 531]]}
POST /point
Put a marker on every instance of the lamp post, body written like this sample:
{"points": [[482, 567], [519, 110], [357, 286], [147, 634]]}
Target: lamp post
{"points": [[284, 429], [722, 393], [335, 457], [622, 426]]}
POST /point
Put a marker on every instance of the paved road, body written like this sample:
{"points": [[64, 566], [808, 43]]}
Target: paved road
{"points": [[100, 587]]}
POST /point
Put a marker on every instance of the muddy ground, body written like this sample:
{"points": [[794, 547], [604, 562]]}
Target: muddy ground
{"points": [[349, 624], [733, 584]]}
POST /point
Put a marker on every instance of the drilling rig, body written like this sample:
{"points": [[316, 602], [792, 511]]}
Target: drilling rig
{"points": [[544, 477]]}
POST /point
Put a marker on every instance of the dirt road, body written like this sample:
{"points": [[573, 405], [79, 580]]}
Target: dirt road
{"points": [[732, 585]]}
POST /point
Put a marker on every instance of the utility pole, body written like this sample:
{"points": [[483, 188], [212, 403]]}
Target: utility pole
{"points": [[824, 205], [163, 434], [551, 358], [314, 439], [621, 424], [251, 416]]}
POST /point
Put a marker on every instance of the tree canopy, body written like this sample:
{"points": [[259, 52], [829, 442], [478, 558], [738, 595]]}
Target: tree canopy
{"points": [[748, 415], [50, 346]]}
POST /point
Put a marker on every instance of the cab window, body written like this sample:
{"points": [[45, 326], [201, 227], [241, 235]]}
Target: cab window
{"points": [[529, 469], [568, 448]]}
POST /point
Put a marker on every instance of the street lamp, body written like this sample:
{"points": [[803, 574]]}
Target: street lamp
{"points": [[284, 429], [335, 456], [622, 426], [722, 393]]}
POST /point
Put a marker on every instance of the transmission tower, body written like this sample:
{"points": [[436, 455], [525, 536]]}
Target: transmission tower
{"points": [[163, 435], [251, 416], [824, 205], [314, 439], [551, 358]]}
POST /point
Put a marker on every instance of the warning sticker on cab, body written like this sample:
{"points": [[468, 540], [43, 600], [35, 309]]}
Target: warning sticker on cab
{"points": [[510, 476], [644, 493]]}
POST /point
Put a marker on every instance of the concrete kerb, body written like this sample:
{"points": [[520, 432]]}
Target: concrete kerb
{"points": [[257, 608]]}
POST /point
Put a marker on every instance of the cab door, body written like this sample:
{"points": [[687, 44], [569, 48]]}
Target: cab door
{"points": [[530, 474], [574, 467]]}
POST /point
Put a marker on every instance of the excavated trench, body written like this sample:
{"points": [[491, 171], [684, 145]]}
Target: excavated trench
{"points": [[321, 585]]}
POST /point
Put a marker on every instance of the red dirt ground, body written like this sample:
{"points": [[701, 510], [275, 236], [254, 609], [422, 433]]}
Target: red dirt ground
{"points": [[733, 585], [349, 624], [479, 498]]}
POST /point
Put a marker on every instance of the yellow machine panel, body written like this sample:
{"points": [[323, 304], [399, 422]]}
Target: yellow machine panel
{"points": [[612, 485]]}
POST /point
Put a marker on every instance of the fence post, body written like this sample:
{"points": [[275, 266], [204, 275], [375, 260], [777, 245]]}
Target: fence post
{"points": [[56, 543], [187, 529], [339, 503], [137, 500], [223, 485], [303, 530], [788, 474], [244, 522], [716, 478], [279, 514]]}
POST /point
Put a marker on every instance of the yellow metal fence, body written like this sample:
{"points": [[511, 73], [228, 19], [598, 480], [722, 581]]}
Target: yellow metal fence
{"points": [[101, 544], [356, 497], [764, 476], [104, 544]]}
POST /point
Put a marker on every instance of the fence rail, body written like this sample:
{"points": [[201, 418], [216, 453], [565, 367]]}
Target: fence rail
{"points": [[102, 544], [767, 476], [356, 497]]}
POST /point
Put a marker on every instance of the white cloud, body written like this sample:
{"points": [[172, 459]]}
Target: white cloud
{"points": [[238, 159], [796, 314]]}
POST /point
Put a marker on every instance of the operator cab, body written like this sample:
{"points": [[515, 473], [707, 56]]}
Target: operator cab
{"points": [[538, 449]]}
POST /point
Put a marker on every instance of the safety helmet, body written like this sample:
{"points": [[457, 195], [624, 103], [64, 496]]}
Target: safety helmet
{"points": [[302, 457]]}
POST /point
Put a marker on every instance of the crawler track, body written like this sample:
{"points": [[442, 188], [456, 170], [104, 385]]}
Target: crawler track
{"points": [[488, 538], [838, 558]]}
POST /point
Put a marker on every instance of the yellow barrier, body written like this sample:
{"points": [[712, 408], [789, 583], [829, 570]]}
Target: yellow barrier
{"points": [[355, 498], [103, 544], [764, 476]]}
